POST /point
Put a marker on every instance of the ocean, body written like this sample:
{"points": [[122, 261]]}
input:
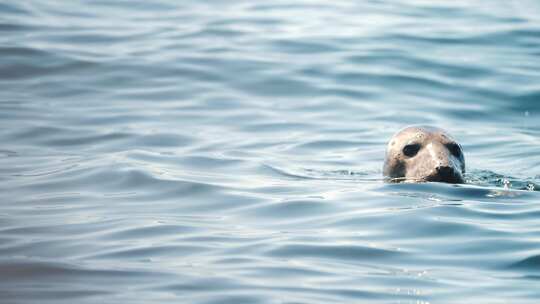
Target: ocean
{"points": [[228, 151]]}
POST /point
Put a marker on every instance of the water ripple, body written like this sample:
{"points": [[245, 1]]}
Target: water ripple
{"points": [[231, 152]]}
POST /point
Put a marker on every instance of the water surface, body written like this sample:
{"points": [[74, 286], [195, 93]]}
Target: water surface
{"points": [[231, 151]]}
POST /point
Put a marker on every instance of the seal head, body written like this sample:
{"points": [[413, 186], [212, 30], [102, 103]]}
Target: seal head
{"points": [[424, 154]]}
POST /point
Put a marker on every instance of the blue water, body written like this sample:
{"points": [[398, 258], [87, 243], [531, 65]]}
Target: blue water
{"points": [[231, 151]]}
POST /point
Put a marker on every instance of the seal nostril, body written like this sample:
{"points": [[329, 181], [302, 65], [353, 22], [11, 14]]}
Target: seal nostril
{"points": [[445, 170], [447, 174]]}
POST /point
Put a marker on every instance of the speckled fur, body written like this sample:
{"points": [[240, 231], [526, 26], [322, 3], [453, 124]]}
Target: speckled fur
{"points": [[433, 153]]}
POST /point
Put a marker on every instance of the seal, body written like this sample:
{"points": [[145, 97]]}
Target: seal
{"points": [[424, 154]]}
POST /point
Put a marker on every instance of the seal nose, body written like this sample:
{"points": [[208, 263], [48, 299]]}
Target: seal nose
{"points": [[448, 174], [445, 171]]}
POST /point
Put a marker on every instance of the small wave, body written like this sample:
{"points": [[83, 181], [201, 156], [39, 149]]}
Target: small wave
{"points": [[316, 174], [343, 252], [491, 179], [531, 263]]}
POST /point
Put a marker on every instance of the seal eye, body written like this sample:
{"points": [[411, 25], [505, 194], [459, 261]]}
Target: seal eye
{"points": [[455, 149], [411, 150]]}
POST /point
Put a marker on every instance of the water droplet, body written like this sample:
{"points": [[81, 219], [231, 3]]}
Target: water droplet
{"points": [[506, 184]]}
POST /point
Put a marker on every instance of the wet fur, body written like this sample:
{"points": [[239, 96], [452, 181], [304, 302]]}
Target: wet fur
{"points": [[436, 159]]}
